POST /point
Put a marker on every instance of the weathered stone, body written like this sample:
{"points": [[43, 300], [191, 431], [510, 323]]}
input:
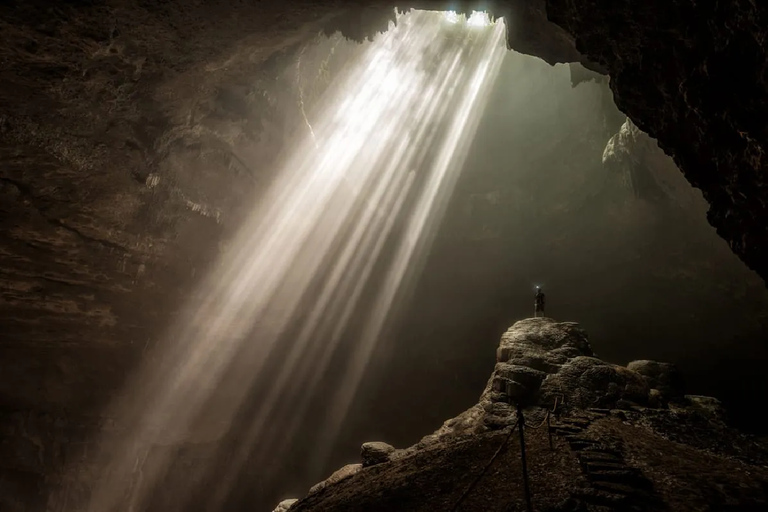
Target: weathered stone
{"points": [[337, 476], [496, 396], [494, 422], [501, 409], [625, 405], [536, 335], [520, 394], [528, 377], [616, 413], [665, 377], [500, 384], [708, 405], [655, 398], [575, 378], [543, 364], [587, 382], [376, 453], [285, 505]]}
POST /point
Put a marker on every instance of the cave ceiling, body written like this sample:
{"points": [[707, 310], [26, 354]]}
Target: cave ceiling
{"points": [[123, 142]]}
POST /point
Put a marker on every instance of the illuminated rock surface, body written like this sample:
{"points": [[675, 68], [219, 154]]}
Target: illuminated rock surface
{"points": [[285, 505], [375, 453]]}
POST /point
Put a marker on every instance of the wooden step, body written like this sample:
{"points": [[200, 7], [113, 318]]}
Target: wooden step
{"points": [[599, 456], [632, 477], [600, 465]]}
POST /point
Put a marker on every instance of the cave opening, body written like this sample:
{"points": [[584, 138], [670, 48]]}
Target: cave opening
{"points": [[553, 185]]}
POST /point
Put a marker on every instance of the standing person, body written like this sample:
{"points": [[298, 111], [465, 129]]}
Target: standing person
{"points": [[539, 301]]}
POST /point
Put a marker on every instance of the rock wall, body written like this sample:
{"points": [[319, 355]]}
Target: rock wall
{"points": [[649, 173], [692, 76], [130, 147]]}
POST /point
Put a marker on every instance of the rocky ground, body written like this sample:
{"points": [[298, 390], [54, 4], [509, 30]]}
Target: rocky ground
{"points": [[623, 438]]}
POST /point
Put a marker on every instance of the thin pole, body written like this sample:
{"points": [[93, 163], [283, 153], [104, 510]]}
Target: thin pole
{"points": [[521, 422], [549, 428]]}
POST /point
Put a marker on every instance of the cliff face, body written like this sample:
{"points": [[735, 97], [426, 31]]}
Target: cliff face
{"points": [[624, 438], [694, 78]]}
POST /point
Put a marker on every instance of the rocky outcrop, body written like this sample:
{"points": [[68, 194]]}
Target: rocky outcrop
{"points": [[376, 453], [664, 377], [620, 147], [580, 75], [613, 448], [541, 361], [336, 477], [648, 172], [372, 454], [285, 505]]}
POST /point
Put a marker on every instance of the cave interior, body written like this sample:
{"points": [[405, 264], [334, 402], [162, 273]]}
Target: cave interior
{"points": [[619, 164]]}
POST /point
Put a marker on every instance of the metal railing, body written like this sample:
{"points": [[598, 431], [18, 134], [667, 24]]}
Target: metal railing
{"points": [[520, 425]]}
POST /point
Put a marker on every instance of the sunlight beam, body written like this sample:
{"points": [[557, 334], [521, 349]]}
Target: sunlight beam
{"points": [[335, 242]]}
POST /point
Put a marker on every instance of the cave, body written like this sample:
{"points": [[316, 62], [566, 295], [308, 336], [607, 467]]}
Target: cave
{"points": [[616, 159]]}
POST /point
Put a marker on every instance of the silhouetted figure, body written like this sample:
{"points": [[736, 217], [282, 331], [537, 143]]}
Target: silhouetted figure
{"points": [[539, 300]]}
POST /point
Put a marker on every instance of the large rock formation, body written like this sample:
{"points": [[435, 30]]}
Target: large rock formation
{"points": [[541, 363], [625, 438], [285, 505], [648, 172], [375, 453]]}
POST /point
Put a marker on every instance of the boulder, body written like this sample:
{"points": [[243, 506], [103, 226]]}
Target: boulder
{"points": [[655, 398], [285, 505], [534, 338], [707, 406], [662, 376], [376, 453], [589, 382], [527, 376], [337, 476]]}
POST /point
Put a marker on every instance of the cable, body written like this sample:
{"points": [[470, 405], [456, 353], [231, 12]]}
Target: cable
{"points": [[498, 451], [546, 416], [485, 469]]}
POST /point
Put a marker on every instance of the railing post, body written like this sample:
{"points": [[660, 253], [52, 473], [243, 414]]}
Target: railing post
{"points": [[549, 431], [521, 422]]}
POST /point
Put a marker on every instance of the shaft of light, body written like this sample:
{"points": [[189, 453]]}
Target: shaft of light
{"points": [[382, 159]]}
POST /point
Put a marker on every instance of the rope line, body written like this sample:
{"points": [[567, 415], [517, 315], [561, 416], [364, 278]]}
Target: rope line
{"points": [[546, 416], [485, 469], [500, 448]]}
